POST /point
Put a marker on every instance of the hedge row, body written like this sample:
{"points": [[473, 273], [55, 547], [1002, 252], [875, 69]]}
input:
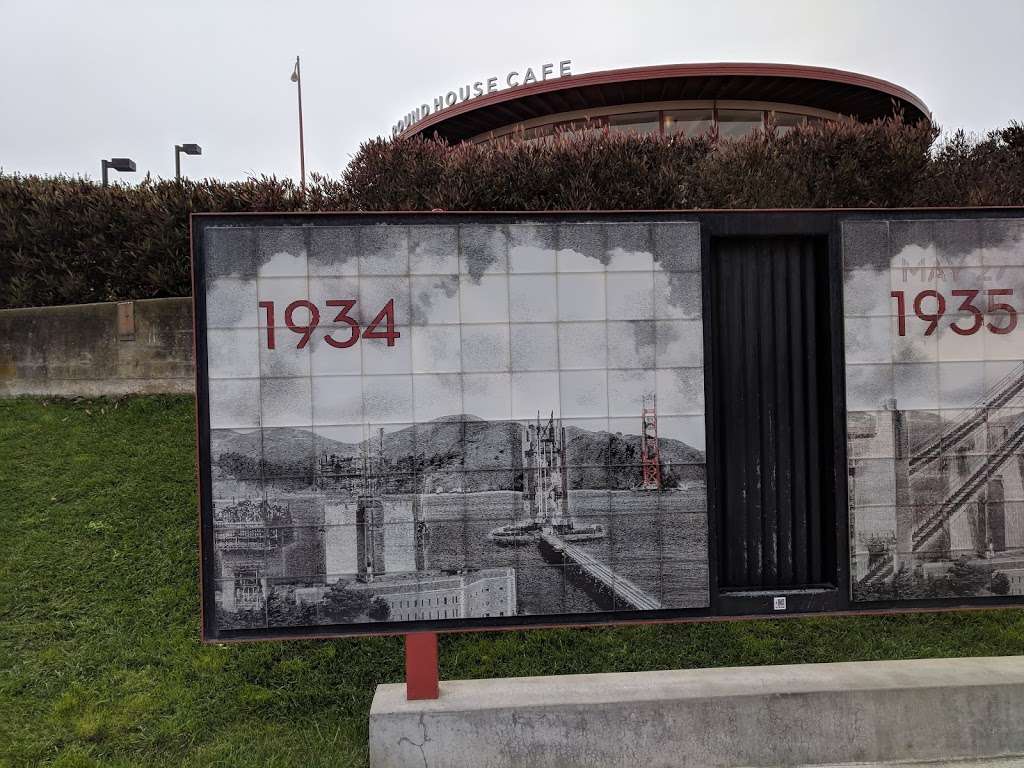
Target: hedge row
{"points": [[67, 240]]}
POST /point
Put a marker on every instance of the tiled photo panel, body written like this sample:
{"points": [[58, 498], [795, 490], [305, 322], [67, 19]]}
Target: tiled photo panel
{"points": [[935, 397], [461, 420]]}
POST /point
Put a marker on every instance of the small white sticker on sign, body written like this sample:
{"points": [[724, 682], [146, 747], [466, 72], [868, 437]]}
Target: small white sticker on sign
{"points": [[780, 603]]}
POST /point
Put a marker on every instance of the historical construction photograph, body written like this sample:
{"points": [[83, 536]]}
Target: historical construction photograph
{"points": [[454, 421], [935, 396]]}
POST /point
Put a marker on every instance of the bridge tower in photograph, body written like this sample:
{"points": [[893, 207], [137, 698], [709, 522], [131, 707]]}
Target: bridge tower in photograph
{"points": [[650, 455], [545, 480]]}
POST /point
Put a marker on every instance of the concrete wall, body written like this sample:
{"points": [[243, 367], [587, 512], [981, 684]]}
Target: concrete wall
{"points": [[796, 715], [97, 349]]}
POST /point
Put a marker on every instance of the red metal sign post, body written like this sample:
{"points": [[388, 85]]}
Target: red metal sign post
{"points": [[421, 676]]}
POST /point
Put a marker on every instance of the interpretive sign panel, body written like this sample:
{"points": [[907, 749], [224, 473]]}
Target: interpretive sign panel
{"points": [[452, 422], [463, 421], [935, 398]]}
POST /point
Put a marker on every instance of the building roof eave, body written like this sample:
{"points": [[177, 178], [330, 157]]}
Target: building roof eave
{"points": [[872, 96]]}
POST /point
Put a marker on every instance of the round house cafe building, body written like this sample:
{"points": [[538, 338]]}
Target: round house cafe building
{"points": [[675, 99]]}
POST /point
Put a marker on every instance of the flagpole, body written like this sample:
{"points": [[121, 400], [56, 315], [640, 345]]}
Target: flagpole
{"points": [[302, 146]]}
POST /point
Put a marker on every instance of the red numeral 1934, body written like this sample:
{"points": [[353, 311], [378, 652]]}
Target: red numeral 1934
{"points": [[930, 306], [305, 330]]}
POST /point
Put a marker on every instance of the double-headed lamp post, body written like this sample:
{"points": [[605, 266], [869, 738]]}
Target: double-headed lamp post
{"points": [[122, 164], [188, 149]]}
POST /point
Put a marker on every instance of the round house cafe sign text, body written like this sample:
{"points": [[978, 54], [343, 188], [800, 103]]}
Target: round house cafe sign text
{"points": [[512, 79]]}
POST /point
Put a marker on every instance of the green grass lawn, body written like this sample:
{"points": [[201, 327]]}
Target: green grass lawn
{"points": [[100, 660]]}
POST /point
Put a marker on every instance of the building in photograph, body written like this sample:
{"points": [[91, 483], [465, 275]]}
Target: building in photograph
{"points": [[480, 594], [431, 596], [675, 99]]}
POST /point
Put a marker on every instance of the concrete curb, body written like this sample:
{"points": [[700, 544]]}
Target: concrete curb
{"points": [[810, 714]]}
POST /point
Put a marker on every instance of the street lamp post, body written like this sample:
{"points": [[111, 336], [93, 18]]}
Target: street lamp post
{"points": [[297, 79], [122, 164], [188, 149]]}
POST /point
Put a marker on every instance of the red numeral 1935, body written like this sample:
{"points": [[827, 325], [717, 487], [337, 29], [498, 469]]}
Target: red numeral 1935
{"points": [[930, 306], [305, 330]]}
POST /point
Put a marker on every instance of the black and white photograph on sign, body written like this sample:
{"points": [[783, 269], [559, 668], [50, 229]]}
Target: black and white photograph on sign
{"points": [[935, 395], [430, 422]]}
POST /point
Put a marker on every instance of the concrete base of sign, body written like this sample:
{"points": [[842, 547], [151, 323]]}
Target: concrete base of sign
{"points": [[880, 712]]}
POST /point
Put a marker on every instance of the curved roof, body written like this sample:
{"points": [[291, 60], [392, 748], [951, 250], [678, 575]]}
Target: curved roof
{"points": [[835, 90]]}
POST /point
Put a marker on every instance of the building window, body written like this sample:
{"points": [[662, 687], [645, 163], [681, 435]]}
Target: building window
{"points": [[583, 125], [635, 123], [737, 123], [688, 122], [731, 123], [786, 121], [542, 134]]}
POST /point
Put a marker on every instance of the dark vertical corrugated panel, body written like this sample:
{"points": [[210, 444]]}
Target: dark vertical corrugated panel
{"points": [[770, 336], [803, 453]]}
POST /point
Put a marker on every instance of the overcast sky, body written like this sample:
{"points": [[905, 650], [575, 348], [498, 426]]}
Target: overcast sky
{"points": [[85, 80]]}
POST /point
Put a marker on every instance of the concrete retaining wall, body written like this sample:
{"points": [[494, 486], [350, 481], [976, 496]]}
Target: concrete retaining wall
{"points": [[97, 349], [812, 714]]}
